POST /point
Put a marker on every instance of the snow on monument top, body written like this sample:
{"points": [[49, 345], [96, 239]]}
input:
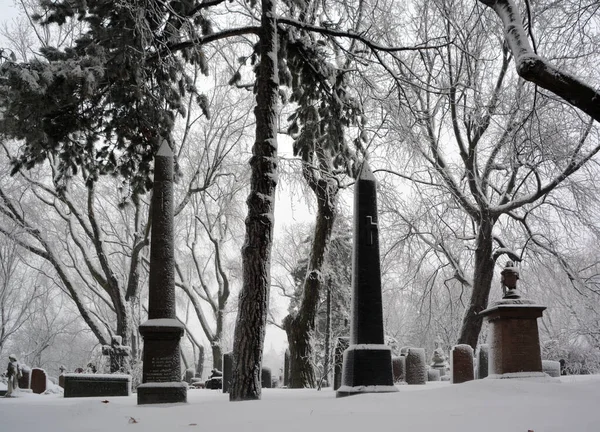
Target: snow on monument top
{"points": [[365, 173], [164, 150]]}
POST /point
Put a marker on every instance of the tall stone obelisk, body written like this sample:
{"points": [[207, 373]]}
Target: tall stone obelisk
{"points": [[367, 364], [161, 379]]}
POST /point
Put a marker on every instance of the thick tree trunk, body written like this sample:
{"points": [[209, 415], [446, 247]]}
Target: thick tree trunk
{"points": [[482, 283], [256, 253], [300, 327], [217, 354]]}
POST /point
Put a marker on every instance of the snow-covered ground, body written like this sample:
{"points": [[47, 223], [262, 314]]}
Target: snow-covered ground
{"points": [[541, 405]]}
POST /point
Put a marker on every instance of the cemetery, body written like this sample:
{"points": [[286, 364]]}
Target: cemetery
{"points": [[295, 216]]}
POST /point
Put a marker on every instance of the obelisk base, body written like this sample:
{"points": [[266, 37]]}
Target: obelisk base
{"points": [[161, 379], [367, 369], [514, 339]]}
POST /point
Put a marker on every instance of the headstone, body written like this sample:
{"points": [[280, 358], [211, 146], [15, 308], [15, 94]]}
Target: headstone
{"points": [[161, 374], [483, 355], [93, 385], [227, 370], [399, 368], [461, 363], [266, 378], [341, 344], [286, 368], [367, 366], [433, 374], [189, 375], [118, 356], [551, 367], [513, 332], [38, 380], [416, 370], [25, 380]]}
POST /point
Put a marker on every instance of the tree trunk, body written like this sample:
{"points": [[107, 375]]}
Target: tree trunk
{"points": [[256, 253], [327, 336], [217, 354], [482, 283], [300, 327]]}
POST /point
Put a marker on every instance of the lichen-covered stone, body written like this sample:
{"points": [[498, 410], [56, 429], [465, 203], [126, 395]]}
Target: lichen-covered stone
{"points": [[416, 369], [551, 367], [461, 363]]}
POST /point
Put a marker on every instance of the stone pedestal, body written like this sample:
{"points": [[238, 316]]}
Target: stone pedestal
{"points": [[161, 369], [514, 339]]}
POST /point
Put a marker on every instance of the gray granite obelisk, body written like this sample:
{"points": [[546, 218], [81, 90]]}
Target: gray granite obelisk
{"points": [[161, 379], [367, 364]]}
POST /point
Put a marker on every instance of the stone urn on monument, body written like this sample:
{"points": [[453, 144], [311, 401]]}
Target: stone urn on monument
{"points": [[514, 341], [367, 364], [161, 374]]}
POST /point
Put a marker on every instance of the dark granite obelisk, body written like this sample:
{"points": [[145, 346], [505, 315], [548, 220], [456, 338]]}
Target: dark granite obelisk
{"points": [[161, 379], [367, 364]]}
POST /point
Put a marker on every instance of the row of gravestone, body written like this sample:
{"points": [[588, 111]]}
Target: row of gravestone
{"points": [[410, 366], [32, 379]]}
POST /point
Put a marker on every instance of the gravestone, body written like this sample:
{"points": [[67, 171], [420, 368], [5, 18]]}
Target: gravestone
{"points": [[25, 380], [161, 374], [266, 378], [286, 368], [341, 344], [367, 365], [416, 369], [38, 380], [118, 355], [189, 375], [93, 385], [227, 370], [399, 368], [433, 374], [513, 331], [551, 368], [483, 355], [461, 363]]}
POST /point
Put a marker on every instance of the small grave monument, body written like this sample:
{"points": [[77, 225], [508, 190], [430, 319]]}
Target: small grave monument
{"points": [[416, 370], [483, 356], [399, 368], [513, 332], [433, 374], [227, 370], [38, 380], [161, 374], [438, 358], [266, 378], [551, 367], [461, 363], [118, 356]]}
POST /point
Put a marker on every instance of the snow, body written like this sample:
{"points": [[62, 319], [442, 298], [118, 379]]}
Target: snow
{"points": [[162, 322], [502, 405]]}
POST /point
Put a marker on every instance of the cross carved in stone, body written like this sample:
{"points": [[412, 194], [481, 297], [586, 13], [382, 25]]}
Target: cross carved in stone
{"points": [[371, 231]]}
